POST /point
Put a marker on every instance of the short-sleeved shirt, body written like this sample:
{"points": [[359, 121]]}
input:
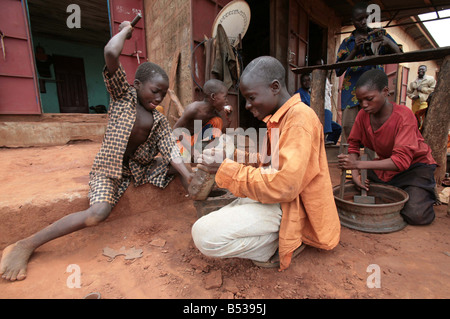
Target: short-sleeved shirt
{"points": [[398, 139], [348, 94], [121, 118]]}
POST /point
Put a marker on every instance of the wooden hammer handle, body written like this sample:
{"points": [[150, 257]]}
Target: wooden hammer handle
{"points": [[363, 181]]}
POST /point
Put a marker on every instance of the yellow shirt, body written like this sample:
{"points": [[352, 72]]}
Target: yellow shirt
{"points": [[300, 181]]}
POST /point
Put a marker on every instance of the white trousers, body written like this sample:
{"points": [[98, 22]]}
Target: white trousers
{"points": [[244, 229]]}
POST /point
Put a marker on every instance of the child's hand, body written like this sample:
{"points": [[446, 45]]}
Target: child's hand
{"points": [[356, 177], [346, 162], [359, 40], [211, 159], [228, 109], [189, 177], [129, 29]]}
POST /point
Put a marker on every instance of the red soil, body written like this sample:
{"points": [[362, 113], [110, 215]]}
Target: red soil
{"points": [[42, 184]]}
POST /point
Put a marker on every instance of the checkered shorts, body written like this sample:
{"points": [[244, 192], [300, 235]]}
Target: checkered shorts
{"points": [[107, 189]]}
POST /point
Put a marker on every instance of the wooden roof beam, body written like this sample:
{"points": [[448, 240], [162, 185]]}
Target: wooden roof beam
{"points": [[413, 56]]}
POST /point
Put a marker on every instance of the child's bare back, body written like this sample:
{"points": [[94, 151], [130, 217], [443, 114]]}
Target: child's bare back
{"points": [[214, 102], [199, 110]]}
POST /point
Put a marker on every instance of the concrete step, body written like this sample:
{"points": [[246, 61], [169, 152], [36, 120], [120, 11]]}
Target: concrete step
{"points": [[50, 129]]}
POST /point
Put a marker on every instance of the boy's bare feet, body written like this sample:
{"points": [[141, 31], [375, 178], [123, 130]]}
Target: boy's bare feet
{"points": [[14, 262]]}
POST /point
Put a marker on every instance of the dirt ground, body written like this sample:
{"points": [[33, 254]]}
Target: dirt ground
{"points": [[42, 184]]}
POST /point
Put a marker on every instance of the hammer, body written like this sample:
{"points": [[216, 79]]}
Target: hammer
{"points": [[363, 199], [136, 20], [133, 23]]}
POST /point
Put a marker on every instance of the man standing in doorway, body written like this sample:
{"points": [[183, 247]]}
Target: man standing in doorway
{"points": [[420, 89]]}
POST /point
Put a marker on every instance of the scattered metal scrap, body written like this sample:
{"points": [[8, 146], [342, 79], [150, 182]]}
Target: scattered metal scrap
{"points": [[131, 253]]}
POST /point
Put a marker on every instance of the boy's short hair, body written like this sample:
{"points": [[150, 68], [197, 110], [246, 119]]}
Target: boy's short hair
{"points": [[358, 7], [304, 75], [147, 71], [267, 68], [213, 86], [375, 79]]}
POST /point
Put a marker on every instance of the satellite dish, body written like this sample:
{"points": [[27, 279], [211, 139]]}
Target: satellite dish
{"points": [[235, 19]]}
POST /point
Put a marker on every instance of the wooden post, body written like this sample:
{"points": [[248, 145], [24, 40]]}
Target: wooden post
{"points": [[437, 121], [318, 93], [172, 98]]}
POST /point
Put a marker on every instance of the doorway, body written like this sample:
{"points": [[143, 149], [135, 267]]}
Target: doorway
{"points": [[255, 43], [69, 60], [317, 44], [71, 84]]}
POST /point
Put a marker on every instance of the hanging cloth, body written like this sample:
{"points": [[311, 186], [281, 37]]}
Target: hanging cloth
{"points": [[225, 63]]}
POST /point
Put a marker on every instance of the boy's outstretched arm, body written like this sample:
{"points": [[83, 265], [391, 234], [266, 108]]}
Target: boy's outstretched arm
{"points": [[186, 119], [185, 171], [182, 122], [115, 46]]}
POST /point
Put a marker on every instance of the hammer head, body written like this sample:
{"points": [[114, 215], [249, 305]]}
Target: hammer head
{"points": [[362, 199]]}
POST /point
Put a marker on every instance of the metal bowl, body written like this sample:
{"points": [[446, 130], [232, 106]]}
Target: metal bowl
{"points": [[217, 198], [381, 217]]}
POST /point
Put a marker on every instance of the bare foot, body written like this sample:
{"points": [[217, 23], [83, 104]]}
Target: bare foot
{"points": [[14, 262]]}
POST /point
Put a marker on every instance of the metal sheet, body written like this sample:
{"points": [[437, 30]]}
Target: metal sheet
{"points": [[18, 85], [126, 10]]}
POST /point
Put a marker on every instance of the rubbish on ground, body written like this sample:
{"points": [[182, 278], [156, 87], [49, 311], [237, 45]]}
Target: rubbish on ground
{"points": [[131, 253]]}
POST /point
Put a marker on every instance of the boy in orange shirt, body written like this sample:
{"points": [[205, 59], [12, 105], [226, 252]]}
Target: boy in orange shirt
{"points": [[285, 204]]}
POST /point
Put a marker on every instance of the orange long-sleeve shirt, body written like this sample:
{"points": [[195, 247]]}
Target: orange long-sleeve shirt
{"points": [[300, 180]]}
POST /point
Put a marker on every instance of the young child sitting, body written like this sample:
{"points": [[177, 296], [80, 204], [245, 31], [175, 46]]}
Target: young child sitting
{"points": [[207, 113], [135, 135], [404, 159], [284, 203]]}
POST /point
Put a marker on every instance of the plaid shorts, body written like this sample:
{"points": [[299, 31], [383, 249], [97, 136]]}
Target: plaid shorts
{"points": [[107, 189]]}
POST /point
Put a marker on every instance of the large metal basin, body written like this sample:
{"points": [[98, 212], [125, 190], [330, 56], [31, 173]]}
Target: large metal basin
{"points": [[381, 217]]}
